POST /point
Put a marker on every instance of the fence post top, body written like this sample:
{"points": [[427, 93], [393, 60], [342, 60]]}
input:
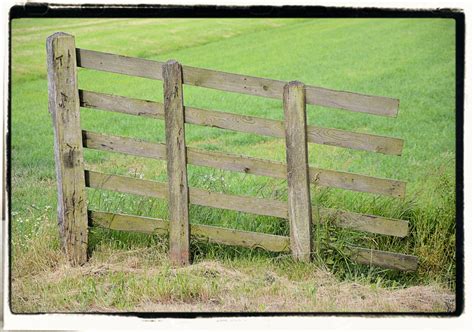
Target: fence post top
{"points": [[172, 62], [55, 36], [58, 35], [294, 84]]}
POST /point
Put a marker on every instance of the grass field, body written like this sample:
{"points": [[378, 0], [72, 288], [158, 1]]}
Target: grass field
{"points": [[409, 59]]}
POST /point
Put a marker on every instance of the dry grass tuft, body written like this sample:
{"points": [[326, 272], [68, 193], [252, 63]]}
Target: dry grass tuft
{"points": [[142, 280]]}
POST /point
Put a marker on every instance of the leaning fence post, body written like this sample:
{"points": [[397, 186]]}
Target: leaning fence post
{"points": [[299, 199], [64, 108], [178, 196]]}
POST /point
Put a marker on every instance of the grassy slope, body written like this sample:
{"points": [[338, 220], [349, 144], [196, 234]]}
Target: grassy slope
{"points": [[412, 60]]}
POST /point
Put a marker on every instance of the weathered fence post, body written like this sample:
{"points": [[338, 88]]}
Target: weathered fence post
{"points": [[176, 163], [64, 108], [299, 199]]}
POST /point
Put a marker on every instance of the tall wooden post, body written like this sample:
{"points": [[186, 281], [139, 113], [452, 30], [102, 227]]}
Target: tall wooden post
{"points": [[299, 199], [64, 108], [178, 199]]}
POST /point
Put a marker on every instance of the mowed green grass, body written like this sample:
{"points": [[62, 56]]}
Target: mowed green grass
{"points": [[409, 59]]}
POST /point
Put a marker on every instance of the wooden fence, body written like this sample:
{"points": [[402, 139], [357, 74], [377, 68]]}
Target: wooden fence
{"points": [[65, 100]]}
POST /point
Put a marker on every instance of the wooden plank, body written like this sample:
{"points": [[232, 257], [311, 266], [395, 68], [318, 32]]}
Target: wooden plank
{"points": [[245, 84], [64, 109], [125, 184], [318, 176], [269, 88], [299, 196], [353, 140], [365, 222], [351, 101], [120, 104], [385, 259], [357, 182], [119, 64], [178, 198], [126, 145], [276, 243], [260, 206], [238, 163], [243, 123], [128, 223], [123, 222], [248, 204], [233, 237]]}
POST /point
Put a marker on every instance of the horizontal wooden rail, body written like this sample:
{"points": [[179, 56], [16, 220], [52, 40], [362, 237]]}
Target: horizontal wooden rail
{"points": [[123, 222], [237, 83], [266, 207], [386, 259], [365, 222], [128, 223], [233, 237], [275, 243], [260, 206], [238, 163], [243, 123]]}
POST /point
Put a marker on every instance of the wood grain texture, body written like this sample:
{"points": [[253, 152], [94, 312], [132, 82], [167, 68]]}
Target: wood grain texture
{"points": [[123, 222], [119, 64], [128, 223], [365, 222], [248, 204], [65, 112], [243, 123], [238, 163], [299, 197], [351, 101], [120, 104], [245, 84], [126, 145], [178, 195], [385, 259], [275, 243], [125, 184]]}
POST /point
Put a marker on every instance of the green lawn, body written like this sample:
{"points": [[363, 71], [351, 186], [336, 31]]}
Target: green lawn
{"points": [[409, 59]]}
